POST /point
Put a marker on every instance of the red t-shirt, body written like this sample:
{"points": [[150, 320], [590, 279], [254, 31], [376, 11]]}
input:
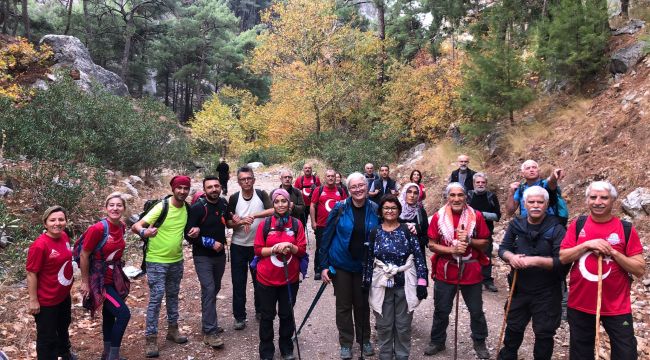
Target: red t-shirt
{"points": [[304, 184], [51, 260], [472, 267], [112, 250], [583, 279], [325, 203], [270, 269], [423, 193]]}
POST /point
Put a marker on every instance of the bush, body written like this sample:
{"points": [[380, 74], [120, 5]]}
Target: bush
{"points": [[267, 156], [65, 123], [350, 151]]}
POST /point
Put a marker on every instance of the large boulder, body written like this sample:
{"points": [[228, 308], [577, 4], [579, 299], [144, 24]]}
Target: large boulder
{"points": [[627, 57], [70, 53], [632, 27], [637, 203]]}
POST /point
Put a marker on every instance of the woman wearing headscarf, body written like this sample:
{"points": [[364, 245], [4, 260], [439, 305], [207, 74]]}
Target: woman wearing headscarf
{"points": [[344, 248], [413, 214], [283, 245], [396, 274], [49, 279], [416, 177], [103, 284]]}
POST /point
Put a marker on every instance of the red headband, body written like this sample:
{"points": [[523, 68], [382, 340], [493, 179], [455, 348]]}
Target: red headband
{"points": [[180, 180]]}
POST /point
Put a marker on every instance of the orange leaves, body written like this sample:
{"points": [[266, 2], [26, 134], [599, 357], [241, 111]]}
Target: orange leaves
{"points": [[17, 60]]}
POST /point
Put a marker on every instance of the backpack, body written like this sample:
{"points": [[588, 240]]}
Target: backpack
{"points": [[78, 245], [266, 229], [313, 184], [557, 202], [148, 205], [234, 199], [490, 198], [203, 201]]}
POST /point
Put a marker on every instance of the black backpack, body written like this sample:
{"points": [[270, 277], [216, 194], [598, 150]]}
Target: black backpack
{"points": [[490, 198], [148, 205]]}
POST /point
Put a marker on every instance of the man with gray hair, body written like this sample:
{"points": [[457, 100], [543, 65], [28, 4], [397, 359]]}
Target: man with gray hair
{"points": [[297, 203], [531, 247], [531, 175], [463, 175], [458, 237], [601, 237], [488, 204]]}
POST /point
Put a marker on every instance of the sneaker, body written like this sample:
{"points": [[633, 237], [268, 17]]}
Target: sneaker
{"points": [[258, 316], [490, 287], [433, 349], [239, 325], [213, 340], [317, 277], [346, 352], [481, 350], [368, 349]]}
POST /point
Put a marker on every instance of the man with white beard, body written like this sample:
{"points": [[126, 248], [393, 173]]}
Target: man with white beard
{"points": [[463, 174]]}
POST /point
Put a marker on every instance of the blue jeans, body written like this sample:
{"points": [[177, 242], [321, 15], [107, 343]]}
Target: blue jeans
{"points": [[115, 315], [163, 280]]}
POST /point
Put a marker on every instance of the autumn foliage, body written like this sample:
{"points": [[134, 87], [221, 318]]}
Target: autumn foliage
{"points": [[19, 60]]}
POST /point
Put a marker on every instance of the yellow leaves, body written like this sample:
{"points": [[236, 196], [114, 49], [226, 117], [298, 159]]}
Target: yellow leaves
{"points": [[424, 96], [17, 59]]}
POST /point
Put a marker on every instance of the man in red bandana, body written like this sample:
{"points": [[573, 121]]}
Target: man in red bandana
{"points": [[165, 261], [601, 233], [458, 234]]}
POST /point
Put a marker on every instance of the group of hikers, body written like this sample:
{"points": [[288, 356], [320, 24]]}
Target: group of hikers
{"points": [[371, 241]]}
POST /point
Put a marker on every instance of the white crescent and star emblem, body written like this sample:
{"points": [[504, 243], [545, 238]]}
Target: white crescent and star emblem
{"points": [[110, 258], [329, 207], [586, 273], [61, 276], [306, 191], [277, 262]]}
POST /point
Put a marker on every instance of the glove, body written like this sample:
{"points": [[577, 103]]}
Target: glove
{"points": [[208, 242], [422, 292]]}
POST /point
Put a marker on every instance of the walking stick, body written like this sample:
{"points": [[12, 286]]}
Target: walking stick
{"points": [[505, 316], [313, 303], [293, 317], [598, 303], [459, 259], [365, 303]]}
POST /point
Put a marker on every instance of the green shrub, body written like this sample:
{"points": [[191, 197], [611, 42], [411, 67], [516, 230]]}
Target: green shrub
{"points": [[13, 256], [349, 151], [267, 156], [65, 123]]}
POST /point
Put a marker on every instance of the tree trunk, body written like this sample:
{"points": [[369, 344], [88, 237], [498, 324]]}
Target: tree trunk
{"points": [[625, 5], [5, 15], [28, 33], [67, 20], [128, 36], [317, 113], [167, 89], [381, 12], [16, 22], [174, 95], [89, 32], [186, 111]]}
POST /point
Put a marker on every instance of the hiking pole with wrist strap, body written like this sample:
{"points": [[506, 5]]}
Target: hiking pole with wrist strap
{"points": [[599, 300], [505, 315], [293, 317], [313, 303], [459, 259]]}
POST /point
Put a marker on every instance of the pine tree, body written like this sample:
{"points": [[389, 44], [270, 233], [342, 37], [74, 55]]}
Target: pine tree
{"points": [[573, 42], [494, 79]]}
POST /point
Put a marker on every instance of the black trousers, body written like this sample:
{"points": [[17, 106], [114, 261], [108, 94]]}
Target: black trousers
{"points": [[443, 301], [545, 310], [240, 258], [318, 232], [583, 335], [52, 338], [276, 299], [224, 185]]}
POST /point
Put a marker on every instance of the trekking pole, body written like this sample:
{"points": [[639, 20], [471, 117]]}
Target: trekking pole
{"points": [[459, 259], [505, 315], [599, 300], [313, 303], [293, 317], [365, 303]]}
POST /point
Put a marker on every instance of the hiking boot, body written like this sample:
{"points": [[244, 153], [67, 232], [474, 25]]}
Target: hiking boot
{"points": [[288, 357], [174, 335], [317, 277], [368, 349], [239, 325], [481, 350], [346, 352], [258, 316], [219, 330], [490, 287], [151, 350], [69, 356], [433, 349], [213, 340]]}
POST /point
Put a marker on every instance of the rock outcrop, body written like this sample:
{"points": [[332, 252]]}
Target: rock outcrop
{"points": [[70, 53], [637, 203], [627, 57]]}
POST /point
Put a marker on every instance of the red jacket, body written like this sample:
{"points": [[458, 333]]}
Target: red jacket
{"points": [[270, 269]]}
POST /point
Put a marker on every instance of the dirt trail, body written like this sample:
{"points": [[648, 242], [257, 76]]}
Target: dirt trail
{"points": [[318, 340]]}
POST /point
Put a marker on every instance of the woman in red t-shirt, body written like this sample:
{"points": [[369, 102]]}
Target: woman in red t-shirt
{"points": [[281, 243], [49, 279], [102, 279], [416, 177]]}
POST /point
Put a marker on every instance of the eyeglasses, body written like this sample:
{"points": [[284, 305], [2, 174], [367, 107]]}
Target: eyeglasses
{"points": [[389, 209], [246, 179], [357, 187]]}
